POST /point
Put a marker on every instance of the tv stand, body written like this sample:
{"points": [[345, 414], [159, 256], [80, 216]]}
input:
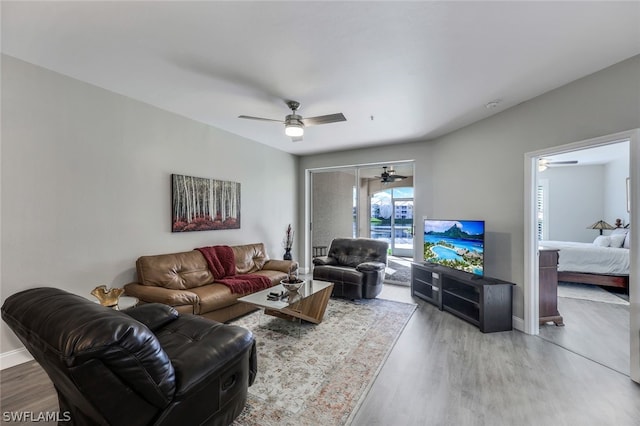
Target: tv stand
{"points": [[482, 301]]}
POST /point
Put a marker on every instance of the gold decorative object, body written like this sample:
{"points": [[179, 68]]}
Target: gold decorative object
{"points": [[107, 297]]}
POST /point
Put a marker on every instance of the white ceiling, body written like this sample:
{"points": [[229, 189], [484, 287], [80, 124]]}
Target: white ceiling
{"points": [[399, 71]]}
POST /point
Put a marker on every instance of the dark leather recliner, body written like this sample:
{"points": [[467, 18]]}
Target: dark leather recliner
{"points": [[355, 266], [147, 365]]}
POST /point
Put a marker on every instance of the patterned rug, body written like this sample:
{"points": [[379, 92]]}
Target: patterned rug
{"points": [[319, 374]]}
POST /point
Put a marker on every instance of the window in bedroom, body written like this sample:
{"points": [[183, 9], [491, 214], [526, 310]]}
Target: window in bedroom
{"points": [[542, 209]]}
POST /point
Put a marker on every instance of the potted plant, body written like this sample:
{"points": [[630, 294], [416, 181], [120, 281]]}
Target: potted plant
{"points": [[287, 243]]}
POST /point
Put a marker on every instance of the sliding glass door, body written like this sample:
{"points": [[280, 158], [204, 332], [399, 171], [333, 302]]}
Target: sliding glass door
{"points": [[353, 202]]}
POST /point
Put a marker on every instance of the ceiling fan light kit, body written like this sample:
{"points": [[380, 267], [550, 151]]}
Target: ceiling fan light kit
{"points": [[293, 126]]}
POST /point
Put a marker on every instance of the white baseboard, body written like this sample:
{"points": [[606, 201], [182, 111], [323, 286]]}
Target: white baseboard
{"points": [[14, 357], [518, 323]]}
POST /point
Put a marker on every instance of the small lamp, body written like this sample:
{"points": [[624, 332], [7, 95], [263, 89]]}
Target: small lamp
{"points": [[601, 225]]}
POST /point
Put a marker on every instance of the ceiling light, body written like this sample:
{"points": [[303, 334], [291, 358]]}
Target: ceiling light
{"points": [[293, 127]]}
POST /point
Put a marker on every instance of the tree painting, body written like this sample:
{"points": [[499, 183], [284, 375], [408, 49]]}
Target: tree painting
{"points": [[201, 204]]}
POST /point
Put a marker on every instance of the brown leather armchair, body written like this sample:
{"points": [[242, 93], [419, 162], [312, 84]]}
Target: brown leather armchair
{"points": [[147, 365], [355, 265]]}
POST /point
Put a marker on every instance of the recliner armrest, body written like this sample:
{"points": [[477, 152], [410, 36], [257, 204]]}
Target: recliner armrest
{"points": [[325, 260], [153, 315], [371, 267]]}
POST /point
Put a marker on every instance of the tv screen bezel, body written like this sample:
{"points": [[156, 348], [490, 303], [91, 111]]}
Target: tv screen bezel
{"points": [[484, 231]]}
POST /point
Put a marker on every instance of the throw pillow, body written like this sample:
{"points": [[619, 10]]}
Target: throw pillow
{"points": [[616, 240], [602, 241], [627, 242]]}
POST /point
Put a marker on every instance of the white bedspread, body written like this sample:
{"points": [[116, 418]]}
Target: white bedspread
{"points": [[589, 258]]}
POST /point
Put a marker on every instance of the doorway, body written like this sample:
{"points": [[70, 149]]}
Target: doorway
{"points": [[531, 294]]}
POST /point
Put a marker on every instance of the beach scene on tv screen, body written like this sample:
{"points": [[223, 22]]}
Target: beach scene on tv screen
{"points": [[457, 244]]}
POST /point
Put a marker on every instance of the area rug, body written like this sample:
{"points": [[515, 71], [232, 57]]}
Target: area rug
{"points": [[319, 374], [588, 292], [398, 271]]}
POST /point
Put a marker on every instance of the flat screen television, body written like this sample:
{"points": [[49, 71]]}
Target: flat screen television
{"points": [[457, 244]]}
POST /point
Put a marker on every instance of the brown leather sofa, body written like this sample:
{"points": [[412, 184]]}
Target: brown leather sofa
{"points": [[143, 366], [184, 281]]}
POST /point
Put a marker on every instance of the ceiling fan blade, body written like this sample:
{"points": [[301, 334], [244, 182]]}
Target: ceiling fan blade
{"points": [[259, 118], [324, 119], [562, 162]]}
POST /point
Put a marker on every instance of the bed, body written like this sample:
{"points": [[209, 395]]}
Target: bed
{"points": [[604, 262]]}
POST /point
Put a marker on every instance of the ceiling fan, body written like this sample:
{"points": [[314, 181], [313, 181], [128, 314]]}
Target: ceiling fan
{"points": [[544, 163], [294, 124], [390, 175]]}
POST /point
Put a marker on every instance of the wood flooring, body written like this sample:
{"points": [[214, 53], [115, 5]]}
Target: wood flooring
{"points": [[444, 371], [596, 330]]}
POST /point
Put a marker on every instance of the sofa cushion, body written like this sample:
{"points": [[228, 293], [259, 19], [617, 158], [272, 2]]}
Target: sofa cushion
{"points": [[213, 296], [274, 276], [249, 257], [198, 347], [176, 271]]}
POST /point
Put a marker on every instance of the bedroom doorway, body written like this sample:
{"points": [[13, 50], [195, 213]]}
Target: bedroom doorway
{"points": [[615, 346]]}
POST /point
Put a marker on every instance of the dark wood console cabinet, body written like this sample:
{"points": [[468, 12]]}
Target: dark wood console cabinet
{"points": [[548, 286], [482, 301]]}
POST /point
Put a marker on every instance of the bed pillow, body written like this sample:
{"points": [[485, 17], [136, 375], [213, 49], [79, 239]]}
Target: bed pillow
{"points": [[616, 240], [627, 243], [619, 231], [602, 241]]}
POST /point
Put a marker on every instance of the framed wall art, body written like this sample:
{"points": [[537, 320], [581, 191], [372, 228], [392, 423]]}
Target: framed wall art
{"points": [[202, 204]]}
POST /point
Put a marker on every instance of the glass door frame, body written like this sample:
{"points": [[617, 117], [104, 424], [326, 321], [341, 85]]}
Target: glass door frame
{"points": [[395, 251], [308, 213]]}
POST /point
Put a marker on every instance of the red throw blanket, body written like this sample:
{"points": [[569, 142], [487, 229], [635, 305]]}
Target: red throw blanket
{"points": [[222, 264], [220, 259], [247, 283]]}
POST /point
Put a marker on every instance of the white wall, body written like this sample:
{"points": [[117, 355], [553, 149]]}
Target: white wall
{"points": [[86, 184], [478, 171], [576, 201], [583, 194]]}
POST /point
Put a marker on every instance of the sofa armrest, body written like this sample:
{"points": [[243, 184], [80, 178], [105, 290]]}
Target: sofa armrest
{"points": [[166, 296], [286, 266], [371, 267], [153, 315], [325, 260]]}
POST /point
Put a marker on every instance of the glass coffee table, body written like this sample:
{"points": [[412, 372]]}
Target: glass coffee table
{"points": [[307, 304]]}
